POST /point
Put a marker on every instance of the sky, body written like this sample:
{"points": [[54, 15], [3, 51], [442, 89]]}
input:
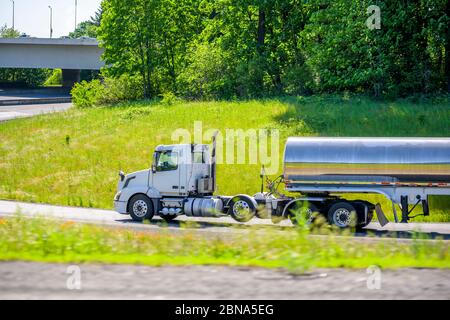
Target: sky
{"points": [[33, 16]]}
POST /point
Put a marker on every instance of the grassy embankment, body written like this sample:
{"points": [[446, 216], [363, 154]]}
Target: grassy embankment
{"points": [[72, 158], [50, 241]]}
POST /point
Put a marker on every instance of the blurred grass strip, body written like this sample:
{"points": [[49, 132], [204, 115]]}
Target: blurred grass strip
{"points": [[51, 241]]}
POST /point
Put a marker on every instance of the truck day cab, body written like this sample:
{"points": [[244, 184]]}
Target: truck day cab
{"points": [[182, 180]]}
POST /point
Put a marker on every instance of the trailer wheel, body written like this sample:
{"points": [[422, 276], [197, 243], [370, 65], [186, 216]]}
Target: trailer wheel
{"points": [[242, 209], [308, 211], [140, 207], [343, 215], [369, 219]]}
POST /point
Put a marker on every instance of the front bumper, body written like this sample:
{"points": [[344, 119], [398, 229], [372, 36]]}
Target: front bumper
{"points": [[120, 207]]}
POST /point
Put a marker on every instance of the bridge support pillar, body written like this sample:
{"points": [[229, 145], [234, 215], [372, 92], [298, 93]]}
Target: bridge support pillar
{"points": [[70, 77]]}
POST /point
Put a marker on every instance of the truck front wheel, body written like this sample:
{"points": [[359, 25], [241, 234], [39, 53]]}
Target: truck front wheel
{"points": [[242, 208], [140, 207]]}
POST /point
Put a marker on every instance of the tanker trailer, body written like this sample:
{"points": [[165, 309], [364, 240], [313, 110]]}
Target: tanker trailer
{"points": [[182, 181], [405, 170]]}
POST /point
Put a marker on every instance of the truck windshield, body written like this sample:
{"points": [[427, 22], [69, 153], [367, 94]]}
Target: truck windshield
{"points": [[167, 160]]}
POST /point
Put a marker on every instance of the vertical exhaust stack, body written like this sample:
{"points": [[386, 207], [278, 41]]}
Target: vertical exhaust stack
{"points": [[213, 161]]}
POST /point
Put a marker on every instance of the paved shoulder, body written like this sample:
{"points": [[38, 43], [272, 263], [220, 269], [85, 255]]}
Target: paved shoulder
{"points": [[32, 280], [29, 110]]}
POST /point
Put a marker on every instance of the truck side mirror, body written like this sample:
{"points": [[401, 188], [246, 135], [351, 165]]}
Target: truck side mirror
{"points": [[155, 159]]}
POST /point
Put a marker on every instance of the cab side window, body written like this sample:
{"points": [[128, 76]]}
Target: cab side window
{"points": [[199, 157], [167, 161]]}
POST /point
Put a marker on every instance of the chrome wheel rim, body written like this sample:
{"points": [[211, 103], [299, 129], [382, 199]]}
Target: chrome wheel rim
{"points": [[308, 214], [303, 212], [241, 209], [342, 217], [140, 208]]}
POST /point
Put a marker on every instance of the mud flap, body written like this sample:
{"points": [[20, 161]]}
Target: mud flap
{"points": [[380, 215]]}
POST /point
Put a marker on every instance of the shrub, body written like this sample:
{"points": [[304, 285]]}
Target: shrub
{"points": [[110, 90], [122, 89], [168, 98], [87, 94]]}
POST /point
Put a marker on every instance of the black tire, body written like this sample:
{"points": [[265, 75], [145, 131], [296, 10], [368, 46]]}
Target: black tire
{"points": [[343, 215], [299, 207], [241, 208], [168, 217], [140, 208]]}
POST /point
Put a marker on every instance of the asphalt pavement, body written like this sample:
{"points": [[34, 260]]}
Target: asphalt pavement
{"points": [[22, 111], [33, 280], [20, 103], [33, 94]]}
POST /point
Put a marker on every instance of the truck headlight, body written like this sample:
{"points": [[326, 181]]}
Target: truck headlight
{"points": [[117, 196]]}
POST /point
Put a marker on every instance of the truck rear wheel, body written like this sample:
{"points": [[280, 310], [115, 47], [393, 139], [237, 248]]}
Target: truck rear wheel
{"points": [[140, 208], [343, 215], [241, 209]]}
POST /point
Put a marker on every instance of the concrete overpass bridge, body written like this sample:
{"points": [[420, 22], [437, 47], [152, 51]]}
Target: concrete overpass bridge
{"points": [[70, 55]]}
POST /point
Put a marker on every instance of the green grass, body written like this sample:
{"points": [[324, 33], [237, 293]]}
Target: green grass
{"points": [[41, 239], [72, 158]]}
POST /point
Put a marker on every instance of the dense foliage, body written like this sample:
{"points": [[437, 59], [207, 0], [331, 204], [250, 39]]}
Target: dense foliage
{"points": [[248, 48], [109, 90], [88, 28]]}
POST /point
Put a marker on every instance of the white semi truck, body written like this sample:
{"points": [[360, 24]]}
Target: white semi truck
{"points": [[182, 181]]}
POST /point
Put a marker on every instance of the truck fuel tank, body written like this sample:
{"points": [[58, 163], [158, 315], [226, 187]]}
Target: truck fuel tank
{"points": [[203, 207]]}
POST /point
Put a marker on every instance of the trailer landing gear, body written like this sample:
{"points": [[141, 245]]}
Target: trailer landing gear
{"points": [[406, 212]]}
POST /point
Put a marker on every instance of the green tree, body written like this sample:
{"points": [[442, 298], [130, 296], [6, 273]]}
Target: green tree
{"points": [[405, 56], [6, 32], [255, 48], [88, 28], [149, 38]]}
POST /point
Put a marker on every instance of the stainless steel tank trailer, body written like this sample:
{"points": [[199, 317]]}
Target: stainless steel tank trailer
{"points": [[182, 180]]}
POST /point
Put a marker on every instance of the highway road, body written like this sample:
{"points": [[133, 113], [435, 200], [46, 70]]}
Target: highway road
{"points": [[32, 280], [31, 102], [212, 226], [33, 94], [29, 110]]}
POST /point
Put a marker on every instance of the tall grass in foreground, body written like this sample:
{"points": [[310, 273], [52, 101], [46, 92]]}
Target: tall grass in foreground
{"points": [[47, 240], [72, 158]]}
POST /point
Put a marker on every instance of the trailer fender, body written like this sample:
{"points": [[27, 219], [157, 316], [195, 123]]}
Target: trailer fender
{"points": [[290, 204]]}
